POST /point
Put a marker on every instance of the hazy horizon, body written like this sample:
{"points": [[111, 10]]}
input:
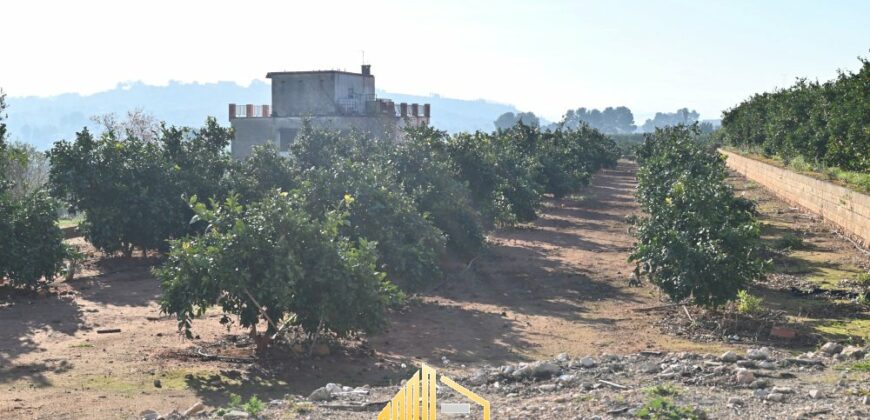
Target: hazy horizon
{"points": [[545, 57]]}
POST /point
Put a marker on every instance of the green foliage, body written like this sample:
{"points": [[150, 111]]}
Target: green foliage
{"points": [[426, 174], [253, 406], [275, 254], [31, 243], [697, 239], [862, 366], [661, 408], [817, 124], [502, 176], [857, 179], [264, 170], [332, 165], [132, 190], [662, 390], [788, 241], [748, 304]]}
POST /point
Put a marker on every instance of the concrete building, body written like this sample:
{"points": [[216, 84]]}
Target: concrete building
{"points": [[326, 99]]}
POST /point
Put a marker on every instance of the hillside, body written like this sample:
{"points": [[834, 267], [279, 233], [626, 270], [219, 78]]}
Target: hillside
{"points": [[43, 120]]}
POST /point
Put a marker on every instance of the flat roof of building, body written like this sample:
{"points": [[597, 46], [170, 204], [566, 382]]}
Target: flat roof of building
{"points": [[288, 73]]}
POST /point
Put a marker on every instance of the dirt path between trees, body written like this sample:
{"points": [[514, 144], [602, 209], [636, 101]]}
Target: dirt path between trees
{"points": [[558, 285]]}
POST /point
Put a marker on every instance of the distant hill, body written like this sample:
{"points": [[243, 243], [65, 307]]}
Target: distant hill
{"points": [[41, 121]]}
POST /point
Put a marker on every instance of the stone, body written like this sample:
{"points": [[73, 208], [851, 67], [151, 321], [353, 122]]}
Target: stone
{"points": [[506, 370], [173, 415], [758, 354], [758, 384], [649, 368], [767, 365], [547, 387], [815, 394], [195, 408], [333, 388], [853, 352], [567, 379], [865, 400], [545, 370], [831, 348], [744, 376], [728, 357], [587, 362], [775, 396], [157, 383], [782, 390], [149, 415], [735, 401], [562, 357], [320, 394], [746, 364], [236, 415], [479, 378]]}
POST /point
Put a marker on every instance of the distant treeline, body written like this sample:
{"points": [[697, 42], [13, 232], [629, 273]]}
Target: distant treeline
{"points": [[825, 124], [610, 120]]}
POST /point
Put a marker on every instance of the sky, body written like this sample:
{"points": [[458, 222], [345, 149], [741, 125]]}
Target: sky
{"points": [[542, 56]]}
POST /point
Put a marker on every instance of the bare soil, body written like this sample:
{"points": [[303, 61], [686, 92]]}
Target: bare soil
{"points": [[558, 285]]}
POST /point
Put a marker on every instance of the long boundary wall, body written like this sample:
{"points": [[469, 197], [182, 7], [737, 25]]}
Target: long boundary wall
{"points": [[844, 207]]}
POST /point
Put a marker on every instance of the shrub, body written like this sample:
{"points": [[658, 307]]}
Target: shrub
{"points": [[132, 190], [31, 243], [697, 239], [661, 408], [748, 304], [502, 178], [408, 245], [662, 390], [273, 259], [426, 175], [809, 122], [261, 172]]}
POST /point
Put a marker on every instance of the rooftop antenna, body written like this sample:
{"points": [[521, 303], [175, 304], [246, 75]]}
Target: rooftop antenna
{"points": [[363, 56]]}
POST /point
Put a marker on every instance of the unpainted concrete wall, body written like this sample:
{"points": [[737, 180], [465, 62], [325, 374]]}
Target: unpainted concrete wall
{"points": [[844, 207], [301, 94]]}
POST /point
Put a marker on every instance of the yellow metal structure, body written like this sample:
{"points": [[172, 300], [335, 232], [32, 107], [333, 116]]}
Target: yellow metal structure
{"points": [[417, 400]]}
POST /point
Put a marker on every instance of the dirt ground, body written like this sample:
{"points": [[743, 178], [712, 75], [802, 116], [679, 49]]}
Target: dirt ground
{"points": [[558, 285]]}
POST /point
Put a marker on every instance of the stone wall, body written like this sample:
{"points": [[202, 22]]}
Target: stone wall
{"points": [[844, 207]]}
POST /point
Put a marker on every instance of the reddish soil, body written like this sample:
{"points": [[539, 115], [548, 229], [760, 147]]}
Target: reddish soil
{"points": [[556, 285]]}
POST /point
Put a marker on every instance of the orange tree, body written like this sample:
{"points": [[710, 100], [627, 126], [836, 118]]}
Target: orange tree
{"points": [[697, 240], [271, 260], [31, 243]]}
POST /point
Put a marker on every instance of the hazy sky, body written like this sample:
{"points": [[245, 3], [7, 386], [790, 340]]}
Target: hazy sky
{"points": [[543, 56]]}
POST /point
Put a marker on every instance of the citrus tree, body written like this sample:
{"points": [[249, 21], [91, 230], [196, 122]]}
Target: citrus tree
{"points": [[31, 243], [271, 261], [696, 239], [132, 189]]}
